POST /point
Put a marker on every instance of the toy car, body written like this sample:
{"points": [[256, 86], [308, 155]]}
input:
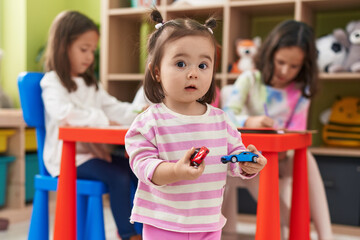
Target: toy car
{"points": [[198, 156], [242, 157]]}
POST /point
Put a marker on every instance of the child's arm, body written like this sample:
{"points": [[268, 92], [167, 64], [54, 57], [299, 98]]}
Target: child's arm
{"points": [[259, 122], [121, 112], [247, 90], [236, 101], [59, 106], [167, 173]]}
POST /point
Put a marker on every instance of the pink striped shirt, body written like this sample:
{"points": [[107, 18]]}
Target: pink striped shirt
{"points": [[159, 135]]}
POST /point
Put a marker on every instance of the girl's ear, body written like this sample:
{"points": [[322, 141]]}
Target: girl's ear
{"points": [[154, 75], [157, 74]]}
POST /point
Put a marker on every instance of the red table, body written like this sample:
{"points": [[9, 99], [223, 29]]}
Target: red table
{"points": [[65, 213], [268, 216], [268, 208]]}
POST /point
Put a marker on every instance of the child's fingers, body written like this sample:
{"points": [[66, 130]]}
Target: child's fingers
{"points": [[201, 167], [261, 160], [188, 154], [252, 148], [251, 168], [267, 122]]}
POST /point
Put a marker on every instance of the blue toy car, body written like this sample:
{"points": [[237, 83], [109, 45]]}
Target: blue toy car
{"points": [[242, 157]]}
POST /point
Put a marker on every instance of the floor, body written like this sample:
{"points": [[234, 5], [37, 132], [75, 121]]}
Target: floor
{"points": [[245, 229]]}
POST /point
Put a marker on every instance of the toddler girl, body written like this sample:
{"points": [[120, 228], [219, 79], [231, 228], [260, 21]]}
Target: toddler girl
{"points": [[175, 200]]}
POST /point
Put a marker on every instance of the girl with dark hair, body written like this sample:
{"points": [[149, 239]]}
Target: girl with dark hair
{"points": [[174, 199], [277, 95], [72, 96]]}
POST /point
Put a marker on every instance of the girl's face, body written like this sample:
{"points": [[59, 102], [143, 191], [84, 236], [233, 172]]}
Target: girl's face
{"points": [[288, 62], [81, 52], [186, 71]]}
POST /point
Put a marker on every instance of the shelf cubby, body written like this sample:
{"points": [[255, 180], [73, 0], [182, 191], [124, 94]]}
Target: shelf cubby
{"points": [[122, 45]]}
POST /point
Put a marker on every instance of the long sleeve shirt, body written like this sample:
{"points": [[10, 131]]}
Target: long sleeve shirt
{"points": [[161, 135], [250, 96], [84, 107]]}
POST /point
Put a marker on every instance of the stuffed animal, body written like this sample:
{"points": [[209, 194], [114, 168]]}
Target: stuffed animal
{"points": [[331, 53], [246, 50], [352, 41], [343, 128]]}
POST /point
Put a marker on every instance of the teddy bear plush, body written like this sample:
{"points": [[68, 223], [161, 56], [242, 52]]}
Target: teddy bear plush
{"points": [[331, 53], [351, 39], [342, 128], [246, 50]]}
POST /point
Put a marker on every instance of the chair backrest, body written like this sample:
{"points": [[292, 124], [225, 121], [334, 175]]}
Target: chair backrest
{"points": [[33, 110]]}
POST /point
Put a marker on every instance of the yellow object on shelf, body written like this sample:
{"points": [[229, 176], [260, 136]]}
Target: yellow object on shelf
{"points": [[4, 135], [343, 128], [30, 139]]}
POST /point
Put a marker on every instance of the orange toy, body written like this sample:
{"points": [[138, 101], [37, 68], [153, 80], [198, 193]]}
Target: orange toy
{"points": [[246, 50]]}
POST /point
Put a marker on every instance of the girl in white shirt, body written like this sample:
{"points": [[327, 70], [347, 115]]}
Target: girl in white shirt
{"points": [[73, 96]]}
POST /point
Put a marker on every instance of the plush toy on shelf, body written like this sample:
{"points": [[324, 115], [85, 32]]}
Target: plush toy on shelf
{"points": [[352, 40], [331, 53], [246, 50], [342, 127]]}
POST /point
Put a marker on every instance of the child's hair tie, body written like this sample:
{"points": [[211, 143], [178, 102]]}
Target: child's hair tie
{"points": [[159, 25], [210, 30]]}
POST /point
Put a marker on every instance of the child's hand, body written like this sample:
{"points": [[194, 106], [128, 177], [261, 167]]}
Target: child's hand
{"points": [[183, 170], [168, 172], [252, 168], [259, 122], [113, 123]]}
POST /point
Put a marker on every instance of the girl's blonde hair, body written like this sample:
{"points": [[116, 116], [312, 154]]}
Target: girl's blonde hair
{"points": [[65, 29], [166, 33]]}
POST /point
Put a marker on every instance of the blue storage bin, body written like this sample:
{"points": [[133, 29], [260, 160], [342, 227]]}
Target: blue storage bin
{"points": [[31, 169], [4, 160]]}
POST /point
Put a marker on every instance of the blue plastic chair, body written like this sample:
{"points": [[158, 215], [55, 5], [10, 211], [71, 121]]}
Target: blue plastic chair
{"points": [[90, 218]]}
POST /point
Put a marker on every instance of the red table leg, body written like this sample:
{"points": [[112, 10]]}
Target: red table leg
{"points": [[65, 215], [300, 209], [268, 208]]}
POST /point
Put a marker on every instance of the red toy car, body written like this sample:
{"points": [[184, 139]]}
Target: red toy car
{"points": [[198, 156]]}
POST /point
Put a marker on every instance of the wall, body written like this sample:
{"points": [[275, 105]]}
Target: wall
{"points": [[24, 27], [13, 36]]}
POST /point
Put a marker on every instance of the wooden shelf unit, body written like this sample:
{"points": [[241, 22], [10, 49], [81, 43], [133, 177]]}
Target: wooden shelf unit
{"points": [[120, 38], [336, 151], [15, 192]]}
